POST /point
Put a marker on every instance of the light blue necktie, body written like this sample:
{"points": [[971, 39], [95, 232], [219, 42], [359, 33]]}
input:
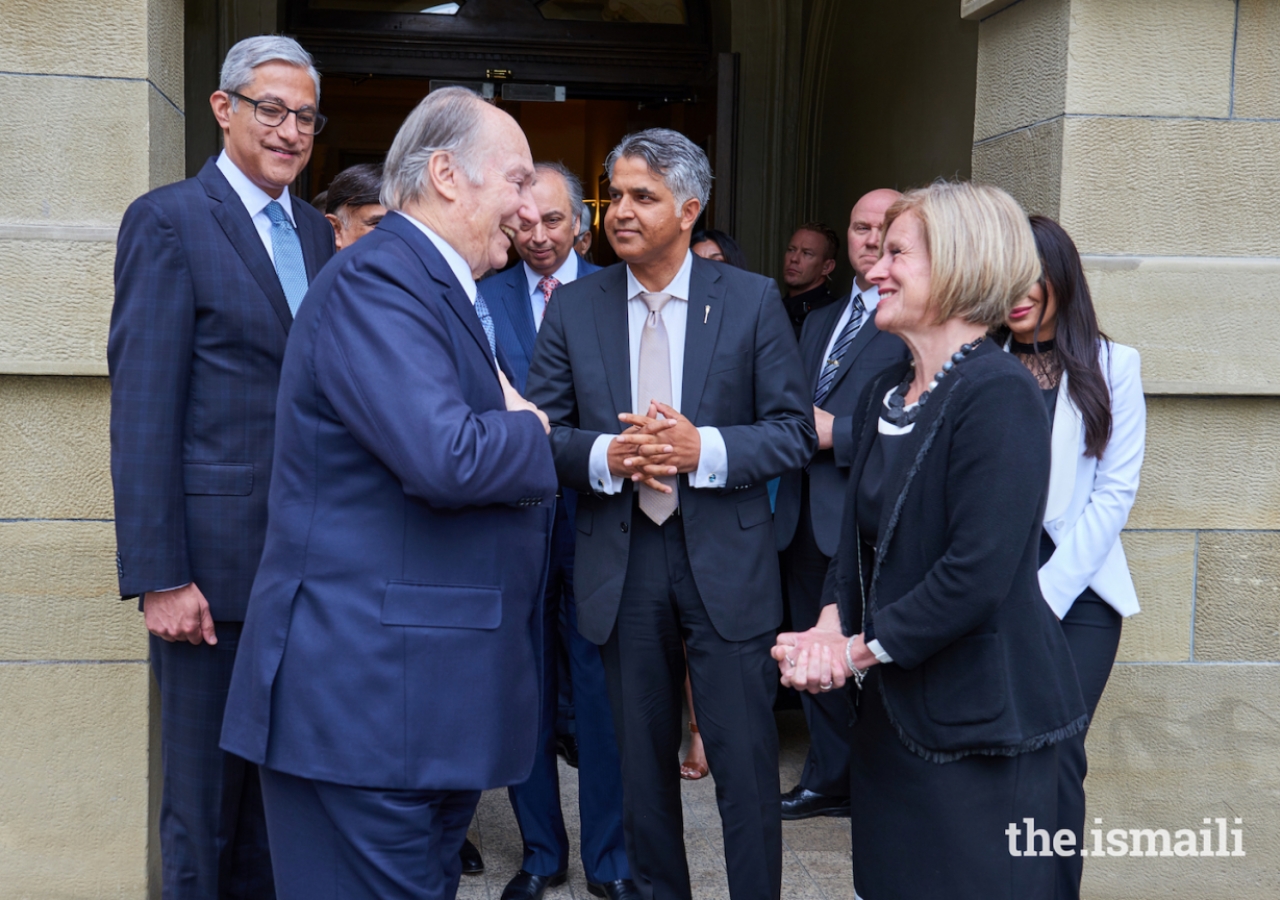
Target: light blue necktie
{"points": [[287, 252], [486, 322]]}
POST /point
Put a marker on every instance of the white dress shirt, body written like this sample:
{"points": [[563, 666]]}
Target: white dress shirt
{"points": [[255, 200], [568, 272], [870, 299], [713, 463]]}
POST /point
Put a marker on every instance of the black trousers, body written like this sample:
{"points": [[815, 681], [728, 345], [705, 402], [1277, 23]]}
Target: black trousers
{"points": [[213, 834], [826, 768], [1093, 632], [734, 683]]}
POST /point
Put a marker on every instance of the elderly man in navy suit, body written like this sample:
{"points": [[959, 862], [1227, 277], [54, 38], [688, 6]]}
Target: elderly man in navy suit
{"points": [[209, 275], [388, 670], [518, 300]]}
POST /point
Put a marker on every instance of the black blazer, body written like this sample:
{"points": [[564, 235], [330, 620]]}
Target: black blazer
{"points": [[197, 339], [871, 352], [742, 374], [980, 664]]}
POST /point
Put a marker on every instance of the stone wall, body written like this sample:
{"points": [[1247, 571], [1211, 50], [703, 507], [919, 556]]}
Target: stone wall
{"points": [[1152, 131], [92, 94]]}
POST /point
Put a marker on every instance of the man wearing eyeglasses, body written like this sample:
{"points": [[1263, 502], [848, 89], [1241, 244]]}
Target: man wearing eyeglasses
{"points": [[209, 275]]}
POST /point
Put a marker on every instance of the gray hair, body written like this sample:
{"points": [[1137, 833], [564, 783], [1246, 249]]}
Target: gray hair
{"points": [[247, 55], [585, 224], [448, 120], [679, 161], [572, 184]]}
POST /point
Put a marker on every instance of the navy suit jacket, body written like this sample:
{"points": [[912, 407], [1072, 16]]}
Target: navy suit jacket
{"points": [[871, 352], [742, 374], [197, 338], [508, 296], [394, 632]]}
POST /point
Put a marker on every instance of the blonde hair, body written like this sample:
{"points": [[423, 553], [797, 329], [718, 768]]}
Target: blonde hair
{"points": [[982, 254]]}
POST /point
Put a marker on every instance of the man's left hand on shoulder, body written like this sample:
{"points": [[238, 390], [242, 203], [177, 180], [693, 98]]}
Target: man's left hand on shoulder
{"points": [[681, 447]]}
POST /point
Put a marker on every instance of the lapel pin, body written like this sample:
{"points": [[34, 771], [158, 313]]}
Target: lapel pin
{"points": [[706, 313]]}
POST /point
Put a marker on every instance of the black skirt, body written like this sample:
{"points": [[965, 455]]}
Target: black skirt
{"points": [[924, 830]]}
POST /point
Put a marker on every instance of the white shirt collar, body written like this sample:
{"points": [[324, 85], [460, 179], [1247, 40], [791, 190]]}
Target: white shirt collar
{"points": [[870, 297], [457, 264], [678, 288], [254, 198], [567, 273]]}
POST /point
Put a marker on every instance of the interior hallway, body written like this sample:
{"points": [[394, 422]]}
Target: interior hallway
{"points": [[815, 861]]}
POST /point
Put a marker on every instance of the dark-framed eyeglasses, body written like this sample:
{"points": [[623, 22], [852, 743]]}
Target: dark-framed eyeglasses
{"points": [[272, 113]]}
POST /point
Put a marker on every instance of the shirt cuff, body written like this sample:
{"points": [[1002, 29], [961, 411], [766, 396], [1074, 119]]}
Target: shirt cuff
{"points": [[713, 462], [602, 480], [879, 652]]}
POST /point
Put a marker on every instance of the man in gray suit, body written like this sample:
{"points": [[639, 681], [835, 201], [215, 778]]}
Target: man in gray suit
{"points": [[842, 349], [697, 362]]}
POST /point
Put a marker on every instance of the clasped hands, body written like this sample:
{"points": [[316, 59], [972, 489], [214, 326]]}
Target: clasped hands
{"points": [[653, 447], [814, 660]]}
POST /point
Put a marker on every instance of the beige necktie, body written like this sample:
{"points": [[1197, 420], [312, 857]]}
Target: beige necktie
{"points": [[654, 381]]}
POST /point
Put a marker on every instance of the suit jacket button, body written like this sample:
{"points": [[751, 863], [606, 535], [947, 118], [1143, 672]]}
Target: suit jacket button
{"points": [[624, 527]]}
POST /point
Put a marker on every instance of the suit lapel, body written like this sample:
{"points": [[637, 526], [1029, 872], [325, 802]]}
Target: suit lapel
{"points": [[519, 309], [702, 327], [610, 311], [435, 265], [860, 341], [311, 243], [1065, 453], [234, 219], [819, 337]]}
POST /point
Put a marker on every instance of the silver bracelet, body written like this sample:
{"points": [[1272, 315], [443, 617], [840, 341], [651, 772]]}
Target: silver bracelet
{"points": [[858, 674]]}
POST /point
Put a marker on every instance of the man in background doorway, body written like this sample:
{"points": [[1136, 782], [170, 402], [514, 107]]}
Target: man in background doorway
{"points": [[809, 261], [352, 205], [582, 243], [209, 275], [518, 301], [842, 350]]}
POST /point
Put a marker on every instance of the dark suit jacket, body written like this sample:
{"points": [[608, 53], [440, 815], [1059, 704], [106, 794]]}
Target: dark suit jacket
{"points": [[980, 663], [394, 630], [742, 374], [870, 353], [197, 337], [508, 296]]}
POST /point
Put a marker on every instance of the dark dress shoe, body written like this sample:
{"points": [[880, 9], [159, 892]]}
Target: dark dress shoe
{"points": [[531, 887], [567, 746], [622, 889], [799, 803], [472, 863]]}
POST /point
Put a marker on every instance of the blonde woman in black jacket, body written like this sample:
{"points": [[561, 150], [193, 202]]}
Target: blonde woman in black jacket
{"points": [[960, 676]]}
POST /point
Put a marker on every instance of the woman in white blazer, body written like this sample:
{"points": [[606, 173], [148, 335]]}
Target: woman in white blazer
{"points": [[1093, 391]]}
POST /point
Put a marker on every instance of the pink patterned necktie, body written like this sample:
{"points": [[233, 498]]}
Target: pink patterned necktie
{"points": [[547, 285]]}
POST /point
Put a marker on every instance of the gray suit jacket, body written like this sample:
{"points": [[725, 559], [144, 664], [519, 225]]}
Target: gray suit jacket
{"points": [[742, 374], [871, 352]]}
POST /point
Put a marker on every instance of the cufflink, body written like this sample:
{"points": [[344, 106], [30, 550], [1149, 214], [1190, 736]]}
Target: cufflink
{"points": [[711, 479]]}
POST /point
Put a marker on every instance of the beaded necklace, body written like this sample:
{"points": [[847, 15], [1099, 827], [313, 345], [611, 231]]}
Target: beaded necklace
{"points": [[897, 414]]}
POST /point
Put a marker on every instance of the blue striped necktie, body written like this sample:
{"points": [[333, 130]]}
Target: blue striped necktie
{"points": [[286, 252], [486, 322], [832, 366]]}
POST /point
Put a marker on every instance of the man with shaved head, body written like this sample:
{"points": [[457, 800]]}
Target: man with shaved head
{"points": [[842, 349]]}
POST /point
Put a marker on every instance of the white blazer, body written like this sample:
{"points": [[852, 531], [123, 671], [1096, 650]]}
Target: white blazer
{"points": [[1089, 499]]}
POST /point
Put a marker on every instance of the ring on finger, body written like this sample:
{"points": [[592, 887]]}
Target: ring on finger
{"points": [[826, 687]]}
